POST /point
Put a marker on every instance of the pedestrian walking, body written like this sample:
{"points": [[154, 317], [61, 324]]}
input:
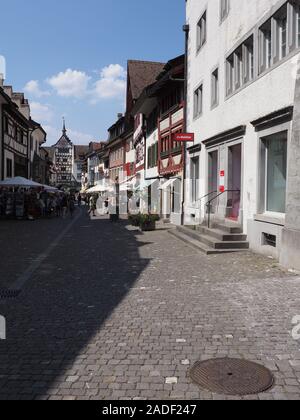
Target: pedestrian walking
{"points": [[71, 206], [64, 205], [93, 205], [106, 205]]}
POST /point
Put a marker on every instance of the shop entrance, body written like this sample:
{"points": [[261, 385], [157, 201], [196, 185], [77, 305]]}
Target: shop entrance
{"points": [[234, 181], [213, 170]]}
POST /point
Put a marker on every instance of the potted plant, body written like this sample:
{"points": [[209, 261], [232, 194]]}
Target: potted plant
{"points": [[148, 222], [134, 219]]}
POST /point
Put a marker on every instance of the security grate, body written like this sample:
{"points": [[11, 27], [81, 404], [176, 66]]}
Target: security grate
{"points": [[270, 240]]}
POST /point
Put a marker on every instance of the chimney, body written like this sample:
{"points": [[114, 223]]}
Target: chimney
{"points": [[120, 115], [1, 79]]}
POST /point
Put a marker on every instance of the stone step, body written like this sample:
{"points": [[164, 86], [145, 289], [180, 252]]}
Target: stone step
{"points": [[221, 235], [211, 241], [228, 227], [199, 245]]}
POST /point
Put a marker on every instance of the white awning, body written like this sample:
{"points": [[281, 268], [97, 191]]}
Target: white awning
{"points": [[167, 184], [97, 189], [126, 186]]}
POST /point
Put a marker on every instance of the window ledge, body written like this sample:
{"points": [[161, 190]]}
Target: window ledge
{"points": [[272, 218]]}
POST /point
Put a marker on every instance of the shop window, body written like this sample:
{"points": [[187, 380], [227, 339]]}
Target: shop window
{"points": [[275, 170]]}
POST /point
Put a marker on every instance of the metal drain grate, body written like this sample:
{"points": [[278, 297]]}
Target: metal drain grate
{"points": [[9, 294], [232, 377]]}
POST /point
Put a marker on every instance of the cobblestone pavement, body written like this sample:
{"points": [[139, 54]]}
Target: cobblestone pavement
{"points": [[21, 242], [111, 313]]}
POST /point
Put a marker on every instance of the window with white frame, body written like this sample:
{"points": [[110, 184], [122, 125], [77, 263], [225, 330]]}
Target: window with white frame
{"points": [[280, 35], [201, 31], [280, 38], [215, 88], [198, 101], [248, 60], [240, 66], [229, 74], [265, 46], [224, 9]]}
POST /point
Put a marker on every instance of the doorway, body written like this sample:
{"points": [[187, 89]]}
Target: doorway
{"points": [[213, 170], [234, 181]]}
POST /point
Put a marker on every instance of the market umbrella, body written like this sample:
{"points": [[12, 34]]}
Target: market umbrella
{"points": [[19, 181], [97, 189], [50, 189]]}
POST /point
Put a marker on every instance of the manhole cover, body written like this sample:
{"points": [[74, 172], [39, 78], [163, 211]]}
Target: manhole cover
{"points": [[232, 377]]}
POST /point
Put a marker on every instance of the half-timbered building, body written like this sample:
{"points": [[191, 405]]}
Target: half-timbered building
{"points": [[162, 107]]}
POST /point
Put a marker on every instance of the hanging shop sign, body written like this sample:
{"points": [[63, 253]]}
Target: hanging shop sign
{"points": [[184, 137]]}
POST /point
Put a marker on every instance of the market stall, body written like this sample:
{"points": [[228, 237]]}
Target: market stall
{"points": [[22, 198]]}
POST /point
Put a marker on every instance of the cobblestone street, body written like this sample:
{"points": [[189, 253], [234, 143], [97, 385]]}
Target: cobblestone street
{"points": [[110, 313]]}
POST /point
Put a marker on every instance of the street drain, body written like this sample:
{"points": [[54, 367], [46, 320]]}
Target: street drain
{"points": [[232, 377], [9, 294]]}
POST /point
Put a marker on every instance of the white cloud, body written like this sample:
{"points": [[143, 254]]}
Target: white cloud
{"points": [[71, 83], [112, 83], [113, 71], [33, 88], [2, 67], [77, 137], [77, 84], [41, 113]]}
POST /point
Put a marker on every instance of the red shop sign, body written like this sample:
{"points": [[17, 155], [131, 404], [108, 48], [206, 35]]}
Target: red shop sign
{"points": [[184, 137]]}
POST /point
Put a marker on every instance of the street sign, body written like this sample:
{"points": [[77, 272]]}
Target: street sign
{"points": [[184, 137]]}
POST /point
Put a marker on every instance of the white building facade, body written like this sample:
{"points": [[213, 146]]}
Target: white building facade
{"points": [[242, 67]]}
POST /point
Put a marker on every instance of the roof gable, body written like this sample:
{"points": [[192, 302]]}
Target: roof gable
{"points": [[64, 141], [140, 74]]}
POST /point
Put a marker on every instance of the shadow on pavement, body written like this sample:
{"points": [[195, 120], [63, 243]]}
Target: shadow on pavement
{"points": [[51, 326]]}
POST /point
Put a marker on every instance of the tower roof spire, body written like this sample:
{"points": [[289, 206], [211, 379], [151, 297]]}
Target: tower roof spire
{"points": [[64, 126]]}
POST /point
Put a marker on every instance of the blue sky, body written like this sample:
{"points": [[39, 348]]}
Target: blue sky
{"points": [[71, 55]]}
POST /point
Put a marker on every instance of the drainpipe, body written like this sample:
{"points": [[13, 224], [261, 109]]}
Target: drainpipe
{"points": [[2, 144], [186, 29]]}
